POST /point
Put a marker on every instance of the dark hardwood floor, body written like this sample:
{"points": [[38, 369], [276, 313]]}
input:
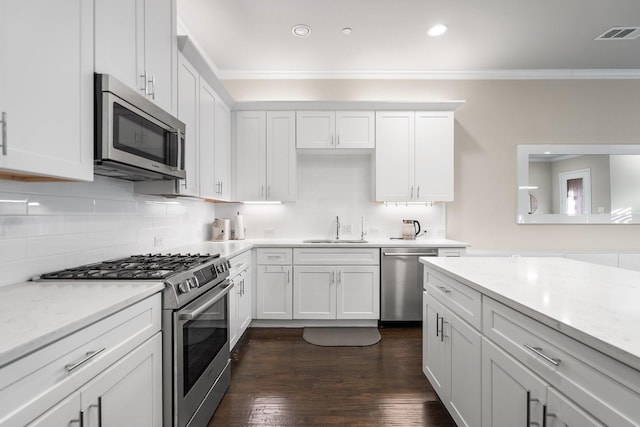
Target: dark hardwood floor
{"points": [[278, 379]]}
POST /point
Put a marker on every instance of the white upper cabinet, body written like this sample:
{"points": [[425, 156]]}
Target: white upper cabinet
{"points": [[265, 156], [251, 155], [222, 150], [433, 156], [46, 89], [135, 41], [281, 156], [335, 129], [394, 155], [207, 127], [188, 107], [414, 156]]}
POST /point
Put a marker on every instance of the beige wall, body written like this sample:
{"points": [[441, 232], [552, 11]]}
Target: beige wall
{"points": [[497, 116]]}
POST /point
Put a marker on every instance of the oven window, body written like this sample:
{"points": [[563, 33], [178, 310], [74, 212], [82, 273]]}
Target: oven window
{"points": [[203, 338], [137, 135]]}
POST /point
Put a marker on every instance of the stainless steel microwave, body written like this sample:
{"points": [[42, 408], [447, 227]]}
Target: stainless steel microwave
{"points": [[134, 138]]}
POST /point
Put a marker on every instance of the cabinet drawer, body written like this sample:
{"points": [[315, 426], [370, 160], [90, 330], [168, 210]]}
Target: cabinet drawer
{"points": [[451, 252], [338, 256], [459, 298], [45, 376], [609, 390], [239, 263], [280, 256]]}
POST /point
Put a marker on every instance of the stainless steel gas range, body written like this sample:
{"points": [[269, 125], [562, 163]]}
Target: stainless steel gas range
{"points": [[195, 326]]}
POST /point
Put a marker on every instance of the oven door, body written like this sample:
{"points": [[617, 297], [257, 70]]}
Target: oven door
{"points": [[201, 349]]}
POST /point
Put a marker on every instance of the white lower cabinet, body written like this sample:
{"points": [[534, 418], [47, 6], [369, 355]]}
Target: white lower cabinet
{"points": [[344, 292], [513, 395], [451, 361], [274, 292], [106, 374], [493, 366], [274, 289], [239, 296], [128, 393], [324, 290]]}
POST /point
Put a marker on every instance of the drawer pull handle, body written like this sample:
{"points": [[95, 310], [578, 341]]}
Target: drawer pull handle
{"points": [[437, 324], [90, 355], [443, 289], [538, 351]]}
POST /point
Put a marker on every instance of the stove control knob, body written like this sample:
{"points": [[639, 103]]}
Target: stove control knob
{"points": [[184, 287]]}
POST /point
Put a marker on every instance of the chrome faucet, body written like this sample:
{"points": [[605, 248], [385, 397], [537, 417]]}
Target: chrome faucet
{"points": [[362, 232], [337, 227]]}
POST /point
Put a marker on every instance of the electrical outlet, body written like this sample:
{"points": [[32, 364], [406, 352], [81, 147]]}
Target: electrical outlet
{"points": [[158, 241], [269, 231], [346, 228], [374, 230]]}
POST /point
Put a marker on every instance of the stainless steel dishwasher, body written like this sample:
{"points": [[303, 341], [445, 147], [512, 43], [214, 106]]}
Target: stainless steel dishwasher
{"points": [[401, 286]]}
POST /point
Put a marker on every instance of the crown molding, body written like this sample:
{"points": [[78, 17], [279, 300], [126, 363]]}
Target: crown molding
{"points": [[559, 74]]}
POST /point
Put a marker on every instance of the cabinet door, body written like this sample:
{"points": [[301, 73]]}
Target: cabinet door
{"points": [[65, 413], [119, 41], [465, 354], [244, 302], [563, 412], [314, 292], [434, 358], [274, 298], [281, 156], [315, 129], [188, 104], [222, 157], [358, 292], [160, 49], [433, 156], [394, 156], [234, 297], [206, 141], [510, 391], [47, 88], [355, 129], [250, 155], [129, 393]]}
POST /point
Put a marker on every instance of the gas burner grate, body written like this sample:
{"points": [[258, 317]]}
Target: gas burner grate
{"points": [[149, 266]]}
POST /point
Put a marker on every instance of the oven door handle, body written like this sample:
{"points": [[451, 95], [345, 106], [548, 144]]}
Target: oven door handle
{"points": [[201, 308]]}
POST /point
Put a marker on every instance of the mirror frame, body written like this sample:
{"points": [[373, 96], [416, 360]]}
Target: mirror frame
{"points": [[522, 164]]}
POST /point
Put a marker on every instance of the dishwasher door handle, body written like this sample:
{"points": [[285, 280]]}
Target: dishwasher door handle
{"points": [[410, 253]]}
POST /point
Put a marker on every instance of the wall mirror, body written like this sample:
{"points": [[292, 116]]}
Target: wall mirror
{"points": [[578, 184]]}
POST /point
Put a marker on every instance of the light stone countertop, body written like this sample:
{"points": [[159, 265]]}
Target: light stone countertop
{"points": [[230, 248], [35, 314], [594, 304]]}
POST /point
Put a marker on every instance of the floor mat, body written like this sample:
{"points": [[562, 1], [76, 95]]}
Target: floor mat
{"points": [[342, 337]]}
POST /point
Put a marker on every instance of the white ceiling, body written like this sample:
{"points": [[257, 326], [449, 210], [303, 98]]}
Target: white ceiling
{"points": [[252, 38]]}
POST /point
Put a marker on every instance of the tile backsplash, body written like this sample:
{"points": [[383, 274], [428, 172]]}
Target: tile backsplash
{"points": [[332, 185], [53, 225]]}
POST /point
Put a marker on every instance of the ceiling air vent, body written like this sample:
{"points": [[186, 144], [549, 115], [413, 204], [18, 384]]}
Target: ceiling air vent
{"points": [[620, 33]]}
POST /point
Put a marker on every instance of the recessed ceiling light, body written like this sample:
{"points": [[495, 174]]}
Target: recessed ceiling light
{"points": [[346, 31], [437, 30], [301, 30]]}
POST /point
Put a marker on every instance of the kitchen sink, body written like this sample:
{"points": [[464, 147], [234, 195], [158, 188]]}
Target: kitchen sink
{"points": [[335, 241]]}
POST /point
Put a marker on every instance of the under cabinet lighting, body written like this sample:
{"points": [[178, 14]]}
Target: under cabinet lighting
{"points": [[262, 202], [528, 187], [396, 204]]}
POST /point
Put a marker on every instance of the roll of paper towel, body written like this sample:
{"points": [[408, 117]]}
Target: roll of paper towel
{"points": [[239, 226]]}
